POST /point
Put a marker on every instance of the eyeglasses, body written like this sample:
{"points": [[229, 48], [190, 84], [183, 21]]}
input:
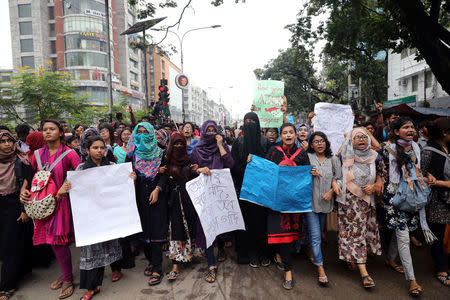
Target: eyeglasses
{"points": [[360, 138], [317, 142], [104, 131], [7, 141]]}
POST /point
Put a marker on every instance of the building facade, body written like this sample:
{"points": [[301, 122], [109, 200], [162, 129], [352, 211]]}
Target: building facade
{"points": [[72, 35], [412, 81]]}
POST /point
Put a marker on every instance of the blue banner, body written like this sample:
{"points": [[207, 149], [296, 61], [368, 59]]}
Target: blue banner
{"points": [[280, 188]]}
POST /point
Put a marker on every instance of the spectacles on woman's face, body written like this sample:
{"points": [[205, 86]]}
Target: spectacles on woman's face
{"points": [[104, 131], [360, 138], [317, 142]]}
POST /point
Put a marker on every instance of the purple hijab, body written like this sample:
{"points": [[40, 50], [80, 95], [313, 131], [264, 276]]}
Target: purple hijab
{"points": [[206, 153]]}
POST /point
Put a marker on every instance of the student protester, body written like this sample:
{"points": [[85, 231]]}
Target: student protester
{"points": [[162, 137], [64, 127], [251, 244], [78, 131], [57, 230], [22, 131], [188, 132], [229, 136], [182, 215], [146, 156], [326, 184], [284, 228], [303, 134], [14, 223], [35, 141], [363, 172], [167, 127], [402, 151], [272, 135], [120, 151], [72, 142], [382, 130], [107, 134], [119, 119], [424, 134], [435, 165], [210, 153], [94, 258], [91, 131]]}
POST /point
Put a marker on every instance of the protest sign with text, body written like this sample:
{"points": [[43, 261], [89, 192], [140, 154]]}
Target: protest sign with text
{"points": [[268, 101]]}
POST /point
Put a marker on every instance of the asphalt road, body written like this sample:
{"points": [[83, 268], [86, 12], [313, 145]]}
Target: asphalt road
{"points": [[243, 282]]}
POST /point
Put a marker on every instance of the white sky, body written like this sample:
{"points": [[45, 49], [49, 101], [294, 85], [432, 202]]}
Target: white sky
{"points": [[251, 35]]}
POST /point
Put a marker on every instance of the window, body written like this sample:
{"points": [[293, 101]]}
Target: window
{"points": [[52, 30], [86, 59], [404, 53], [52, 47], [428, 79], [71, 7], [83, 42], [25, 28], [5, 78], [134, 63], [28, 61], [163, 64], [415, 83], [51, 12], [85, 24], [26, 45], [134, 76], [54, 64], [24, 10]]}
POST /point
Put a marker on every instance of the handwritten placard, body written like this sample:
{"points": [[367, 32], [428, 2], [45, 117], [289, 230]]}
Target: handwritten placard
{"points": [[268, 100], [215, 201]]}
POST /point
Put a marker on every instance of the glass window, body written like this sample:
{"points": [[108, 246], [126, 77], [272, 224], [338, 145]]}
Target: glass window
{"points": [[25, 28], [415, 83], [52, 47], [28, 61], [54, 64], [428, 79], [86, 59], [52, 30], [134, 76], [79, 41], [86, 25], [134, 63], [24, 10], [26, 45], [51, 12], [71, 7]]}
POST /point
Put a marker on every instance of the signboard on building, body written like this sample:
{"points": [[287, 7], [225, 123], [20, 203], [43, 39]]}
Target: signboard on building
{"points": [[95, 13]]}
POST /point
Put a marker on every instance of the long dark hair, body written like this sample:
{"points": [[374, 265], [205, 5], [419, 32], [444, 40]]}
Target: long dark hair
{"points": [[92, 139], [327, 152], [111, 132], [402, 157], [437, 128]]}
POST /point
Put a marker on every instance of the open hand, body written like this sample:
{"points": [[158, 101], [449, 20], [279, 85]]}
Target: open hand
{"points": [[23, 217], [154, 196], [133, 175]]}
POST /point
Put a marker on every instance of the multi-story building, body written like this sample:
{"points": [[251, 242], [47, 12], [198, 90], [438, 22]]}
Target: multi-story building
{"points": [[72, 34], [412, 81]]}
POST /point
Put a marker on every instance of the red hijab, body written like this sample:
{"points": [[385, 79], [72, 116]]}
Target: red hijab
{"points": [[35, 140]]}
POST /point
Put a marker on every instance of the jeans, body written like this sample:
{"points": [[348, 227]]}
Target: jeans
{"points": [[316, 224], [210, 258], [402, 240]]}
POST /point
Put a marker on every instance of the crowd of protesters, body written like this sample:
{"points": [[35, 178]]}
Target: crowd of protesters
{"points": [[360, 186]]}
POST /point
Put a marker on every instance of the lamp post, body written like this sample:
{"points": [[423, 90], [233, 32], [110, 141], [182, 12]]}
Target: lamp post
{"points": [[180, 40]]}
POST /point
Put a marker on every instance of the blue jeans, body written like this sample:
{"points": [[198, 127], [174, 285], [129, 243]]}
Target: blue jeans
{"points": [[316, 224], [210, 258]]}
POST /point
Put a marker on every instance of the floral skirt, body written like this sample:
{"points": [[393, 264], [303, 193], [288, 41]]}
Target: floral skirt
{"points": [[358, 230]]}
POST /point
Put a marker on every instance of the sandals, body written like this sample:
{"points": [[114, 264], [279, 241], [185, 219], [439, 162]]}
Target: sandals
{"points": [[368, 282], [323, 280], [88, 296], [415, 291], [396, 268], [172, 275], [288, 284], [6, 294], [66, 286], [148, 270], [211, 275], [221, 256], [443, 278], [155, 282], [55, 285], [116, 275]]}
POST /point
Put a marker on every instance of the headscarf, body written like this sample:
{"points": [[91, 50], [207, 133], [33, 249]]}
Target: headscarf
{"points": [[298, 143], [165, 137], [7, 163], [252, 137], [144, 148], [206, 153], [35, 140], [177, 158], [358, 167], [91, 131], [192, 145]]}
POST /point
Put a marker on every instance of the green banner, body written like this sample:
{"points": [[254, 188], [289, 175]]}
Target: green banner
{"points": [[268, 100]]}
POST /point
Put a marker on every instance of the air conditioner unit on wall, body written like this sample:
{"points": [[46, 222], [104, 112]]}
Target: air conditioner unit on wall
{"points": [[404, 82]]}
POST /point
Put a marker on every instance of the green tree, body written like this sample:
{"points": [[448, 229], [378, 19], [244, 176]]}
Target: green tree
{"points": [[34, 96]]}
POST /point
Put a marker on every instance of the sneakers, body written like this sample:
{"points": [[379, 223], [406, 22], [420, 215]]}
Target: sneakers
{"points": [[254, 263], [265, 262]]}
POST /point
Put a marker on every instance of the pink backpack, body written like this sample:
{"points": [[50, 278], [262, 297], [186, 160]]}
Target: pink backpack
{"points": [[43, 190], [286, 160]]}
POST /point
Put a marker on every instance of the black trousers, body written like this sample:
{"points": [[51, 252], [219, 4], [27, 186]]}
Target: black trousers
{"points": [[440, 259], [285, 251], [153, 252], [91, 279]]}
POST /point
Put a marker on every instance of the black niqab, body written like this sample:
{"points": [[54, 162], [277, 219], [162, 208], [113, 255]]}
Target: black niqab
{"points": [[252, 136]]}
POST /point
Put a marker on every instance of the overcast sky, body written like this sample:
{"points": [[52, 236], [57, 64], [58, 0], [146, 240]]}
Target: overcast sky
{"points": [[251, 35]]}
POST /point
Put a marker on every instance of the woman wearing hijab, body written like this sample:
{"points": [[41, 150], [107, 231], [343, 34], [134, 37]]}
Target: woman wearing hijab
{"points": [[14, 165], [210, 153], [251, 244], [363, 172], [303, 134], [146, 156], [35, 140], [57, 230], [188, 132], [182, 215], [162, 137]]}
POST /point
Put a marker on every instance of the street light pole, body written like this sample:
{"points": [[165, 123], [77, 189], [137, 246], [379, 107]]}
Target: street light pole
{"points": [[108, 49]]}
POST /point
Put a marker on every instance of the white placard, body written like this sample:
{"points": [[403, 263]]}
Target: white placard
{"points": [[215, 201], [103, 204], [334, 120]]}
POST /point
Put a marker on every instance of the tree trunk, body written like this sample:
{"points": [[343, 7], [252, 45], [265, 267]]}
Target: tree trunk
{"points": [[428, 37]]}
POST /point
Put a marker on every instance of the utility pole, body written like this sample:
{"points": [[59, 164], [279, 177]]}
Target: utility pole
{"points": [[349, 80], [108, 49]]}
